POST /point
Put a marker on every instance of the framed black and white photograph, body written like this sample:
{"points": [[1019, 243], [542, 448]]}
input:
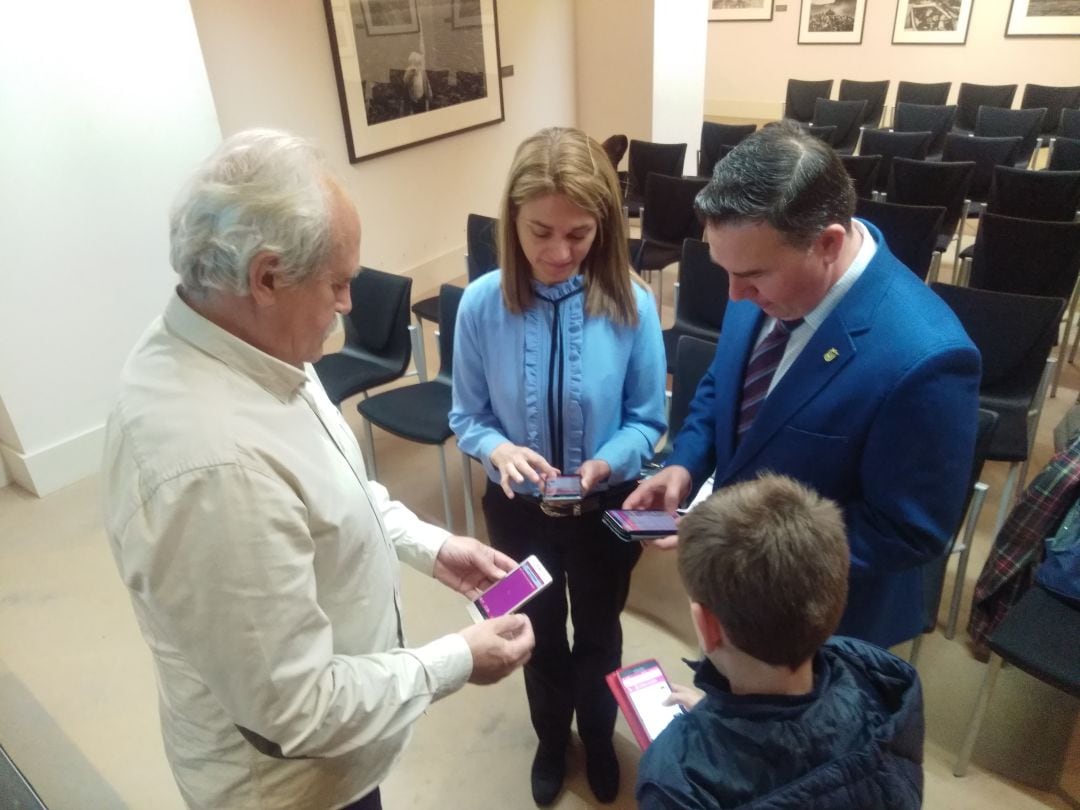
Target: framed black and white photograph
{"points": [[931, 22], [734, 10], [837, 22], [387, 17], [1043, 18], [429, 80]]}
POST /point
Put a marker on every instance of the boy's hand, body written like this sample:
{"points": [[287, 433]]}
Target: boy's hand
{"points": [[686, 696]]}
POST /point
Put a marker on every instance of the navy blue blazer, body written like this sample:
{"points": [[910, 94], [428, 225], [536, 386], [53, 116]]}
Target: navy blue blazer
{"points": [[878, 412]]}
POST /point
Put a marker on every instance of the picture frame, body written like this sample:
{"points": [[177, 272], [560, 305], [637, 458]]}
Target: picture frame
{"points": [[831, 22], [932, 22], [386, 17], [402, 89], [740, 10], [1043, 18]]}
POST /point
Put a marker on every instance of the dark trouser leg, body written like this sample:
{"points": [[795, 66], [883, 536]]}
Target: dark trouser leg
{"points": [[519, 529], [372, 801], [598, 568]]}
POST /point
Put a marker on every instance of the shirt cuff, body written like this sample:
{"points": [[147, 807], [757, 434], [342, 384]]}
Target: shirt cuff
{"points": [[449, 663]]}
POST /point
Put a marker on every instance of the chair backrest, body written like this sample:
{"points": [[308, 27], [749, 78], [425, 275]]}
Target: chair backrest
{"points": [[1013, 333], [1054, 99], [1065, 154], [615, 146], [1000, 122], [935, 93], [693, 356], [986, 154], [703, 290], [1070, 123], [823, 132], [669, 208], [714, 136], [863, 171], [972, 96], [801, 95], [1048, 195], [910, 231], [481, 239], [914, 145], [647, 157], [379, 320], [934, 571], [846, 116], [449, 301], [1026, 256], [935, 118], [872, 92], [928, 182]]}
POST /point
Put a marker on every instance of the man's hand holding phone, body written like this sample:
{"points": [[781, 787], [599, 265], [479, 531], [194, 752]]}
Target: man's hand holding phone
{"points": [[498, 647], [664, 491]]}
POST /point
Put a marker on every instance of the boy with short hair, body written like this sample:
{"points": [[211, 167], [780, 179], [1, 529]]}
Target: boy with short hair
{"points": [[786, 718]]}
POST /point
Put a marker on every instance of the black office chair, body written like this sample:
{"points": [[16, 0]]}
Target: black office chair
{"points": [[615, 147], [1064, 154], [986, 153], [910, 231], [714, 137], [1029, 257], [972, 96], [996, 122], [421, 413], [823, 132], [700, 301], [1014, 334], [889, 145], [925, 182], [667, 219], [1069, 127], [872, 92], [1053, 196], [846, 116], [377, 337], [693, 357], [960, 543], [937, 119], [863, 171], [933, 93], [1054, 99], [650, 158], [801, 95], [481, 240], [1038, 636]]}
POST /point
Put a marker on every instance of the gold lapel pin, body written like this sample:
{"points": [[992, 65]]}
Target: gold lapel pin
{"points": [[831, 355]]}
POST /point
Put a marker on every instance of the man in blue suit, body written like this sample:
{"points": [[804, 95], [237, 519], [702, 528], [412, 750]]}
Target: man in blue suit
{"points": [[836, 366]]}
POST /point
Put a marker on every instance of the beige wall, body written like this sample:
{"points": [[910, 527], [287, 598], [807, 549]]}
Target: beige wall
{"points": [[749, 63], [269, 65]]}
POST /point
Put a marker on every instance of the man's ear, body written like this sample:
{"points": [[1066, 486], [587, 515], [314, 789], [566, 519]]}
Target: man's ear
{"points": [[830, 242], [710, 630], [264, 279]]}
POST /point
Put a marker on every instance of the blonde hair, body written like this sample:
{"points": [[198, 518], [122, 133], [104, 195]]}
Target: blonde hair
{"points": [[569, 163]]}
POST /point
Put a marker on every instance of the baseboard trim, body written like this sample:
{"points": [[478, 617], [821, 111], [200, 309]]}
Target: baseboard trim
{"points": [[44, 471]]}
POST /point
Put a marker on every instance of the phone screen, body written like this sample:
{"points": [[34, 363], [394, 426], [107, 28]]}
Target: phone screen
{"points": [[510, 591], [566, 487], [646, 521], [647, 689]]}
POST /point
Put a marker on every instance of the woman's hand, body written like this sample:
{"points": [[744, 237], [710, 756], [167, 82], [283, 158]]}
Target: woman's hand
{"points": [[592, 472], [519, 464]]}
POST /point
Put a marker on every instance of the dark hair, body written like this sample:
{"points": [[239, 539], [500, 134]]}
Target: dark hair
{"points": [[769, 558], [783, 176]]}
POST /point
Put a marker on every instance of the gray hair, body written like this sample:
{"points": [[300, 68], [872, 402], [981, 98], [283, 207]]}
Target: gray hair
{"points": [[261, 190]]}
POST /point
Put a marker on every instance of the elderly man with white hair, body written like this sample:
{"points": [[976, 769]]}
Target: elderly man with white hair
{"points": [[261, 561]]}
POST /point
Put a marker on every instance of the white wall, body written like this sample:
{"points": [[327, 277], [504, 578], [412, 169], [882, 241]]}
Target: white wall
{"points": [[749, 63], [269, 64], [106, 107], [678, 80]]}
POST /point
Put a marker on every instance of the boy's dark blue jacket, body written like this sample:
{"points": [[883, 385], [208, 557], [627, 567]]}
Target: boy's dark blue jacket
{"points": [[856, 741]]}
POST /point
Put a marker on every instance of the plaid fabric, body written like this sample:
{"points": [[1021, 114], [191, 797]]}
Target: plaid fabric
{"points": [[1018, 548]]}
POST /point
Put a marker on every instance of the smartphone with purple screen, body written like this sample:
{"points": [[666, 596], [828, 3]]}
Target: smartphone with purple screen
{"points": [[512, 591]]}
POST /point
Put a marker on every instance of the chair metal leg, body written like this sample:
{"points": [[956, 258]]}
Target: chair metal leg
{"points": [[416, 335], [675, 297], [916, 648], [1072, 351], [373, 472], [466, 478], [981, 702], [935, 267], [1070, 313], [959, 239], [445, 489], [978, 498], [1005, 504]]}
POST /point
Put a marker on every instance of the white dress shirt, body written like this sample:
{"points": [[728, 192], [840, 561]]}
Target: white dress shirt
{"points": [[263, 569]]}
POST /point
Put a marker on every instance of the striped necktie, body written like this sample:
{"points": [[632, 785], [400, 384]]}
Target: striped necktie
{"points": [[760, 370]]}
